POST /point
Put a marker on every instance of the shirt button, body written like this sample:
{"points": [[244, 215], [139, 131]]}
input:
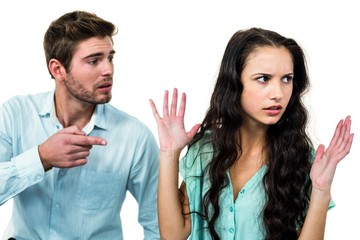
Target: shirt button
{"points": [[231, 230], [57, 205], [231, 209], [61, 172], [242, 191]]}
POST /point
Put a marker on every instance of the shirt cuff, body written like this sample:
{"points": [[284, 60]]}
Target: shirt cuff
{"points": [[29, 166]]}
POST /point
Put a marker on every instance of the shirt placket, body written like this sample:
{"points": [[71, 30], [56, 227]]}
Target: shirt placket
{"points": [[58, 204]]}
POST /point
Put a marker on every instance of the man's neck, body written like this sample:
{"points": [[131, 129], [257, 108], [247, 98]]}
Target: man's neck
{"points": [[72, 113]]}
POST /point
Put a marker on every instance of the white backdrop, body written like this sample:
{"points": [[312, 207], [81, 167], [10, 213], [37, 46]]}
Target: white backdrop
{"points": [[166, 44]]}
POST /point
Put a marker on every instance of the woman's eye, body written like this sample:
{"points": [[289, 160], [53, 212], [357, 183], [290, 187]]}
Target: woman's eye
{"points": [[262, 79], [287, 79]]}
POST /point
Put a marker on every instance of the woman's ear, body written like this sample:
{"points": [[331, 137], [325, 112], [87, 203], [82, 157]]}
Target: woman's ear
{"points": [[57, 70]]}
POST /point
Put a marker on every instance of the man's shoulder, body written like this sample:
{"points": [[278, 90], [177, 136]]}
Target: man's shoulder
{"points": [[114, 112], [26, 99], [118, 116]]}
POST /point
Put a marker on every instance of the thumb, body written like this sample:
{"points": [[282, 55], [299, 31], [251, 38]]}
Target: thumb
{"points": [[194, 130], [319, 152]]}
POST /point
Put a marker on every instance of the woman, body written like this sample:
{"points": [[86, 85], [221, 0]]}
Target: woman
{"points": [[250, 171]]}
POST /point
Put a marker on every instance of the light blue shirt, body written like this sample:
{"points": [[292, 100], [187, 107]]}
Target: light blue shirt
{"points": [[81, 202], [241, 219]]}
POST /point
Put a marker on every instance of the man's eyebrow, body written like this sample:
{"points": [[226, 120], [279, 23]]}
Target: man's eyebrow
{"points": [[98, 54], [94, 55]]}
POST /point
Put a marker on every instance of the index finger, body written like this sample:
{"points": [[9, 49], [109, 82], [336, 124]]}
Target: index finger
{"points": [[88, 140], [154, 109]]}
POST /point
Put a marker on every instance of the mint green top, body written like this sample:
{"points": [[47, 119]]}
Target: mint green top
{"points": [[241, 219]]}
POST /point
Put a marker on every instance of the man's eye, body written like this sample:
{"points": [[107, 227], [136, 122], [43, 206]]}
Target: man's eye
{"points": [[93, 62]]}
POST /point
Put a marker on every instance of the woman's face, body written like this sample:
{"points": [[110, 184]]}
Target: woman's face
{"points": [[267, 79]]}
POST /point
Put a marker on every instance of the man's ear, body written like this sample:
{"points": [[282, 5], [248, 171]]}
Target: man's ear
{"points": [[57, 70]]}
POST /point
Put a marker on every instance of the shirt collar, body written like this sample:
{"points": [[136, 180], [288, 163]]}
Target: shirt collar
{"points": [[97, 119], [47, 105]]}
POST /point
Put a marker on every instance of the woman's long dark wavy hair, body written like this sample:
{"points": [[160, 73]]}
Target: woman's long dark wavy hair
{"points": [[288, 148]]}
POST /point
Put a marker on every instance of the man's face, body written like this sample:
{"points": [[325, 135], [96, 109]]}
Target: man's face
{"points": [[91, 71]]}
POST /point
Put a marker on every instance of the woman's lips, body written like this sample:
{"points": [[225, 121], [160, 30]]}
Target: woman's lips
{"points": [[273, 110]]}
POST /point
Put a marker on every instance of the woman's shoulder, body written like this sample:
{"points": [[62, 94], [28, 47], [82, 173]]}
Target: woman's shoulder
{"points": [[198, 155]]}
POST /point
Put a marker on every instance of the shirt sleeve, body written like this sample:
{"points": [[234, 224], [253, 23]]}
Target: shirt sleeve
{"points": [[193, 164], [143, 183], [331, 204], [19, 172]]}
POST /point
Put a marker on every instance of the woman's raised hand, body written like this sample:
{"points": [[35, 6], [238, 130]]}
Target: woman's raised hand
{"points": [[171, 129], [326, 160]]}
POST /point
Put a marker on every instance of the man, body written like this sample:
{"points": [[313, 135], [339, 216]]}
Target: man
{"points": [[67, 157]]}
